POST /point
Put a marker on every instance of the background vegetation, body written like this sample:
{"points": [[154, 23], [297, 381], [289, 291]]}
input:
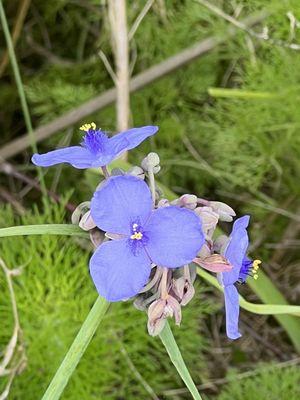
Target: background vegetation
{"points": [[241, 150]]}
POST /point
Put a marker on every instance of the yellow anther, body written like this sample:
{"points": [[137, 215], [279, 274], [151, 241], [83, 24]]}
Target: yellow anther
{"points": [[256, 263], [87, 127], [137, 236], [255, 276]]}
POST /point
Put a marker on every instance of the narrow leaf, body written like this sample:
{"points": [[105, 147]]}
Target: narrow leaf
{"points": [[76, 350], [170, 344], [47, 229]]}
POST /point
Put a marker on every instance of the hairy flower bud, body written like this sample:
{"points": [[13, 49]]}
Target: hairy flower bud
{"points": [[225, 212], [159, 311], [209, 218], [183, 290], [151, 162], [187, 200]]}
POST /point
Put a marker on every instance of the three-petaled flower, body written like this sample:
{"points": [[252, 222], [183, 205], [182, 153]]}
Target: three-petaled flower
{"points": [[168, 237], [96, 149], [235, 253]]}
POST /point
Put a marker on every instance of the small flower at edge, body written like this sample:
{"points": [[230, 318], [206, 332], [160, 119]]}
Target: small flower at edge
{"points": [[235, 253]]}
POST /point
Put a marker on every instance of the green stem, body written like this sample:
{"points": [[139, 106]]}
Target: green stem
{"points": [[47, 229], [241, 94], [262, 309], [76, 350], [170, 344], [20, 87]]}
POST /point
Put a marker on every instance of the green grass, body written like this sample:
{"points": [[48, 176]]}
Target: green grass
{"points": [[54, 294]]}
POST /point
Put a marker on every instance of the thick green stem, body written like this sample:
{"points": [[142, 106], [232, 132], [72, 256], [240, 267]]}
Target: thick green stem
{"points": [[170, 344], [76, 350]]}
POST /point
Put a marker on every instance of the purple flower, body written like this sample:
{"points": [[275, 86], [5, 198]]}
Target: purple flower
{"points": [[235, 253], [169, 237], [96, 148]]}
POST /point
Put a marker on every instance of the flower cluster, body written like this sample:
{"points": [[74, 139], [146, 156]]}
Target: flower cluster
{"points": [[146, 246]]}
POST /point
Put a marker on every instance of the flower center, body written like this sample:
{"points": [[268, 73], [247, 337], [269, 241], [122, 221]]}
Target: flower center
{"points": [[136, 234], [249, 268], [94, 140]]}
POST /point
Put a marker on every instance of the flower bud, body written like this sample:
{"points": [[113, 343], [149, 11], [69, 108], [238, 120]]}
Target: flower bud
{"points": [[81, 209], [187, 201], [87, 223], [151, 161], [183, 290], [214, 263], [225, 212], [97, 237], [209, 218], [159, 311], [136, 171]]}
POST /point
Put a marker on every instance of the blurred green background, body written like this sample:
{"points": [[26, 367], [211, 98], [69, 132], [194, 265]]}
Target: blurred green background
{"points": [[239, 144]]}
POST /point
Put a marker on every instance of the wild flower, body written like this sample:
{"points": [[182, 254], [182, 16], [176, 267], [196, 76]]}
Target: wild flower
{"points": [[96, 148], [168, 237]]}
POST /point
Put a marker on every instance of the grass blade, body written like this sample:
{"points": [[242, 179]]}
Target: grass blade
{"points": [[76, 350], [240, 94], [46, 229], [170, 344]]}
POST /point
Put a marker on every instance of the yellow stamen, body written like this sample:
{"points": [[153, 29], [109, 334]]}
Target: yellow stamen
{"points": [[255, 268], [137, 236], [87, 127], [256, 263]]}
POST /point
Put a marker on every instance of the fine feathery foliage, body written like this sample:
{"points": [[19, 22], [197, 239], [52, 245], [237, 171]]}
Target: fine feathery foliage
{"points": [[271, 384], [54, 294]]}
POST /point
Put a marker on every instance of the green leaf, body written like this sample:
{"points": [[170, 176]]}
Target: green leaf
{"points": [[170, 344], [76, 350], [46, 229]]}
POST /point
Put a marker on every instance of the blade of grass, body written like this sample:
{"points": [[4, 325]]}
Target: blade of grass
{"points": [[240, 94], [170, 344], [47, 229], [20, 87], [76, 350], [265, 289]]}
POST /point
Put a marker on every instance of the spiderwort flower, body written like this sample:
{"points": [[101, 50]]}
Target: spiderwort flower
{"points": [[168, 237], [235, 253], [96, 148]]}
